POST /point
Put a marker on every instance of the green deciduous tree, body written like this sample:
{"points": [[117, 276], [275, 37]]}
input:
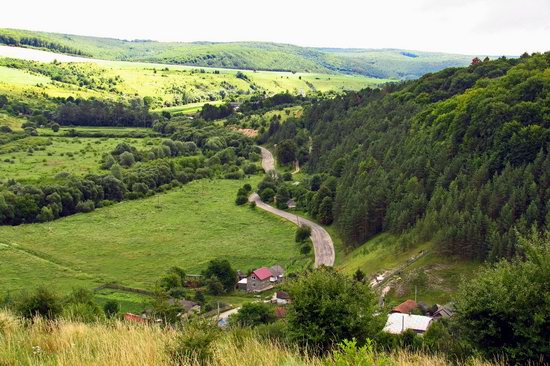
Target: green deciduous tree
{"points": [[328, 307], [255, 313], [221, 270], [506, 308]]}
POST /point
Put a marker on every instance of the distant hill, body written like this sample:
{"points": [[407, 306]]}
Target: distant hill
{"points": [[378, 63]]}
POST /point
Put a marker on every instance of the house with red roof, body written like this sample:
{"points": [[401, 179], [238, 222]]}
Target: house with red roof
{"points": [[259, 280], [405, 307]]}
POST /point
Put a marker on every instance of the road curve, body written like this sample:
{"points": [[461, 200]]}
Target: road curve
{"points": [[322, 242]]}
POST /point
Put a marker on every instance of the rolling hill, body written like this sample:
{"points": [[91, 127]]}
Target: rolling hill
{"points": [[378, 63]]}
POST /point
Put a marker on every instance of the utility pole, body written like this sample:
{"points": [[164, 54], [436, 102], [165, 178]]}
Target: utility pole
{"points": [[414, 293]]}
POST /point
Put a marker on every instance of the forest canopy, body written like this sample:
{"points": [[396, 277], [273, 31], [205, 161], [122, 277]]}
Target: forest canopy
{"points": [[459, 157]]}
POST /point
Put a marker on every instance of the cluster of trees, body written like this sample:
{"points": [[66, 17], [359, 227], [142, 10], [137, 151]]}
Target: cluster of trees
{"points": [[211, 112], [460, 157], [303, 233], [26, 203], [78, 305], [95, 112], [221, 277], [314, 195], [259, 102], [90, 77], [12, 39], [242, 194]]}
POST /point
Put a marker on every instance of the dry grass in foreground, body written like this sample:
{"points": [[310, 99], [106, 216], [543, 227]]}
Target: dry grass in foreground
{"points": [[116, 343]]}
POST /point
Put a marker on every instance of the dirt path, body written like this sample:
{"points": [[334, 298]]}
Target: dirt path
{"points": [[322, 242]]}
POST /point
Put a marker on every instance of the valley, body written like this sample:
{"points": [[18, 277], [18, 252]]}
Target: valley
{"points": [[206, 203]]}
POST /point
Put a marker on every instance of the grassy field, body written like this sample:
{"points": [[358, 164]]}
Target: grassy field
{"points": [[436, 278], [38, 159], [180, 89], [134, 242], [12, 122]]}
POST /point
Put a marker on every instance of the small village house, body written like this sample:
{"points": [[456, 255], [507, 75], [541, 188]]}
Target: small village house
{"points": [[262, 279], [259, 280], [398, 323], [188, 307], [242, 284], [280, 298], [405, 307]]}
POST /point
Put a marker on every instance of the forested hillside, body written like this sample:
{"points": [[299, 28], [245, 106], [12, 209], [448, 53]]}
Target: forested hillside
{"points": [[459, 157], [384, 63]]}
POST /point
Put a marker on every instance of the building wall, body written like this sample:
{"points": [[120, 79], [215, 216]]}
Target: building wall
{"points": [[254, 284]]}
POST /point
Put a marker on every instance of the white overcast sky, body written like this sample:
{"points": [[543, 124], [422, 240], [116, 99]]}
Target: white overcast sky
{"points": [[493, 27]]}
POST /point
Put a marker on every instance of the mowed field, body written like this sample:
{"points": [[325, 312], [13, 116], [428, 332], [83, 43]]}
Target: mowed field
{"points": [[38, 159], [134, 242]]}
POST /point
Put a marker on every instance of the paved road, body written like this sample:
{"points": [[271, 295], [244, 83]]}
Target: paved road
{"points": [[322, 242]]}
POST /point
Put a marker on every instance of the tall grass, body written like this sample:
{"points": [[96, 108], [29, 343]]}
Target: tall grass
{"points": [[62, 342]]}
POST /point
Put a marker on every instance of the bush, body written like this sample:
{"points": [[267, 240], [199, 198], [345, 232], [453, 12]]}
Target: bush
{"points": [[506, 308], [194, 343], [303, 232], [214, 287], [127, 159], [85, 206], [111, 308], [254, 313], [267, 194], [40, 302], [241, 200]]}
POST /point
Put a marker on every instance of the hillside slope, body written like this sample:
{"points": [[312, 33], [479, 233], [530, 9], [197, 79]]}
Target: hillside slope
{"points": [[386, 63], [460, 157]]}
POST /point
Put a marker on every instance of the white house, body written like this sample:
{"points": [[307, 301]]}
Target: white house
{"points": [[398, 323]]}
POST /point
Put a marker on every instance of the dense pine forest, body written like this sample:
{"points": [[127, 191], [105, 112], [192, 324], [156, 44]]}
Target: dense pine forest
{"points": [[459, 157]]}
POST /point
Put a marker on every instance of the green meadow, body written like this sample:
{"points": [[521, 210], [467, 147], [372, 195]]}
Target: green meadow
{"points": [[38, 159], [176, 88], [134, 242]]}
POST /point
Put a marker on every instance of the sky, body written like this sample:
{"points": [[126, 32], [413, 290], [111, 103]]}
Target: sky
{"points": [[473, 27]]}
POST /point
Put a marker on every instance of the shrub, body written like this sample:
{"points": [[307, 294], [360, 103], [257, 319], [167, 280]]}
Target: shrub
{"points": [[267, 194], [214, 287], [241, 200], [303, 232], [111, 308], [41, 302], [127, 159], [254, 313], [305, 249], [506, 308], [85, 206], [194, 344]]}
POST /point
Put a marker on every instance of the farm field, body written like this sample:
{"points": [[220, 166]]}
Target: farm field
{"points": [[134, 242], [37, 159]]}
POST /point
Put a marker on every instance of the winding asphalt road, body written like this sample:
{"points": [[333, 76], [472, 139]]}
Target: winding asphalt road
{"points": [[322, 242]]}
